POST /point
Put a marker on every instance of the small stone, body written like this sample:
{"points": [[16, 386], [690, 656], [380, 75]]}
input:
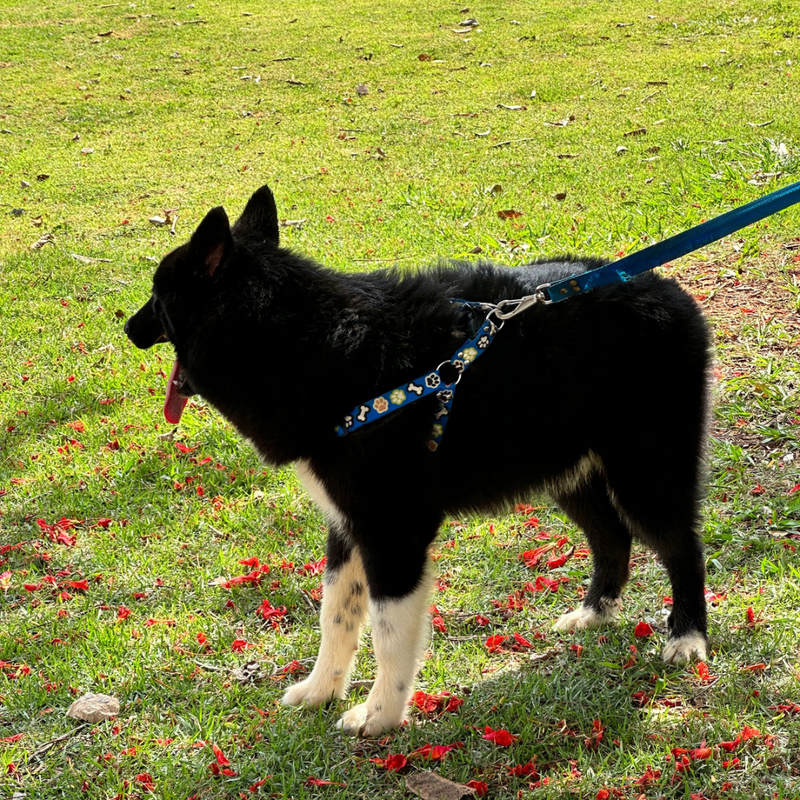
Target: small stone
{"points": [[94, 708]]}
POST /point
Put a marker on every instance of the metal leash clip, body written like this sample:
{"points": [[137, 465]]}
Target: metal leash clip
{"points": [[520, 304]]}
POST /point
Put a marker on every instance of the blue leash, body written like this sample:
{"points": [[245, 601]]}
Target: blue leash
{"points": [[676, 246], [442, 381]]}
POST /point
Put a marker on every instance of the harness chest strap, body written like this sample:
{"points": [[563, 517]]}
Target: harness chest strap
{"points": [[441, 381]]}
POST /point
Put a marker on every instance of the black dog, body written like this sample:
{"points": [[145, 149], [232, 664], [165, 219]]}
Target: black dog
{"points": [[601, 400]]}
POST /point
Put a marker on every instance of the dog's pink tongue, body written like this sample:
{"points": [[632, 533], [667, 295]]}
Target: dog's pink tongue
{"points": [[173, 402]]}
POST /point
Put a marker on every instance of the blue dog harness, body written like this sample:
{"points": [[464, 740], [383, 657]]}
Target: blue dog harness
{"points": [[443, 380]]}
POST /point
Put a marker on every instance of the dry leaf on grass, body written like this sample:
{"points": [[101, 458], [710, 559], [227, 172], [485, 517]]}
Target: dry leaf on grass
{"points": [[562, 123], [47, 238], [430, 786]]}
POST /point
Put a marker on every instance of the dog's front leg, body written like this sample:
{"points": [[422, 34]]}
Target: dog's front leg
{"points": [[344, 608], [399, 633]]}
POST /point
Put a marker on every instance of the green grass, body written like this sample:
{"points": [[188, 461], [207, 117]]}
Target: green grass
{"points": [[185, 107]]}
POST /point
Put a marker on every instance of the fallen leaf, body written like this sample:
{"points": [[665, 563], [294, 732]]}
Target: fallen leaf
{"points": [[87, 259], [430, 786], [47, 238], [424, 57], [362, 89], [560, 195], [562, 123], [509, 214], [635, 132]]}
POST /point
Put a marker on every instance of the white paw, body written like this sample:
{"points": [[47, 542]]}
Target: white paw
{"points": [[685, 648], [313, 692], [361, 721], [586, 617]]}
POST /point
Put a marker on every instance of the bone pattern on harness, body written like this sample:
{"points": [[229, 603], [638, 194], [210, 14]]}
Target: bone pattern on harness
{"points": [[432, 382]]}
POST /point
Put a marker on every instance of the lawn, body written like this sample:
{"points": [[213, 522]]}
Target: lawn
{"points": [[390, 135]]}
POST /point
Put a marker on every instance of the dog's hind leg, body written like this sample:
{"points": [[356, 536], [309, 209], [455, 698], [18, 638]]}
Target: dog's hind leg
{"points": [[344, 608], [658, 500], [399, 632], [589, 506], [682, 555]]}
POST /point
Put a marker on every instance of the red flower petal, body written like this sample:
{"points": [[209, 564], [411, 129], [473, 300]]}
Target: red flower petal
{"points": [[481, 789], [500, 737]]}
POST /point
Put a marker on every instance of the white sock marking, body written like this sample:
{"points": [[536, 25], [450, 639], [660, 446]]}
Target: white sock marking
{"points": [[344, 608], [685, 648], [399, 633], [587, 617]]}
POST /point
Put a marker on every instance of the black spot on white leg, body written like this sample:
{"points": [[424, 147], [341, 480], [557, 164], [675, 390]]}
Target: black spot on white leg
{"points": [[378, 708], [330, 577], [349, 627], [385, 626], [400, 686], [357, 588], [337, 620], [355, 610]]}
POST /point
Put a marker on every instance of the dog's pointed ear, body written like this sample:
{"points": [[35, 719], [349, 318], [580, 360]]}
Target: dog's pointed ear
{"points": [[260, 216], [212, 241]]}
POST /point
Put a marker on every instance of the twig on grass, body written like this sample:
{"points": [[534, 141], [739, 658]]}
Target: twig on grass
{"points": [[42, 749], [513, 141]]}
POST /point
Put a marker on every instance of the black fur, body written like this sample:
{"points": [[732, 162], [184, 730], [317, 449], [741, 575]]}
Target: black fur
{"points": [[617, 378]]}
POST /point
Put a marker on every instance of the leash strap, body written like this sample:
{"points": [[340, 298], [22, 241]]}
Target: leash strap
{"points": [[441, 381], [674, 247]]}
